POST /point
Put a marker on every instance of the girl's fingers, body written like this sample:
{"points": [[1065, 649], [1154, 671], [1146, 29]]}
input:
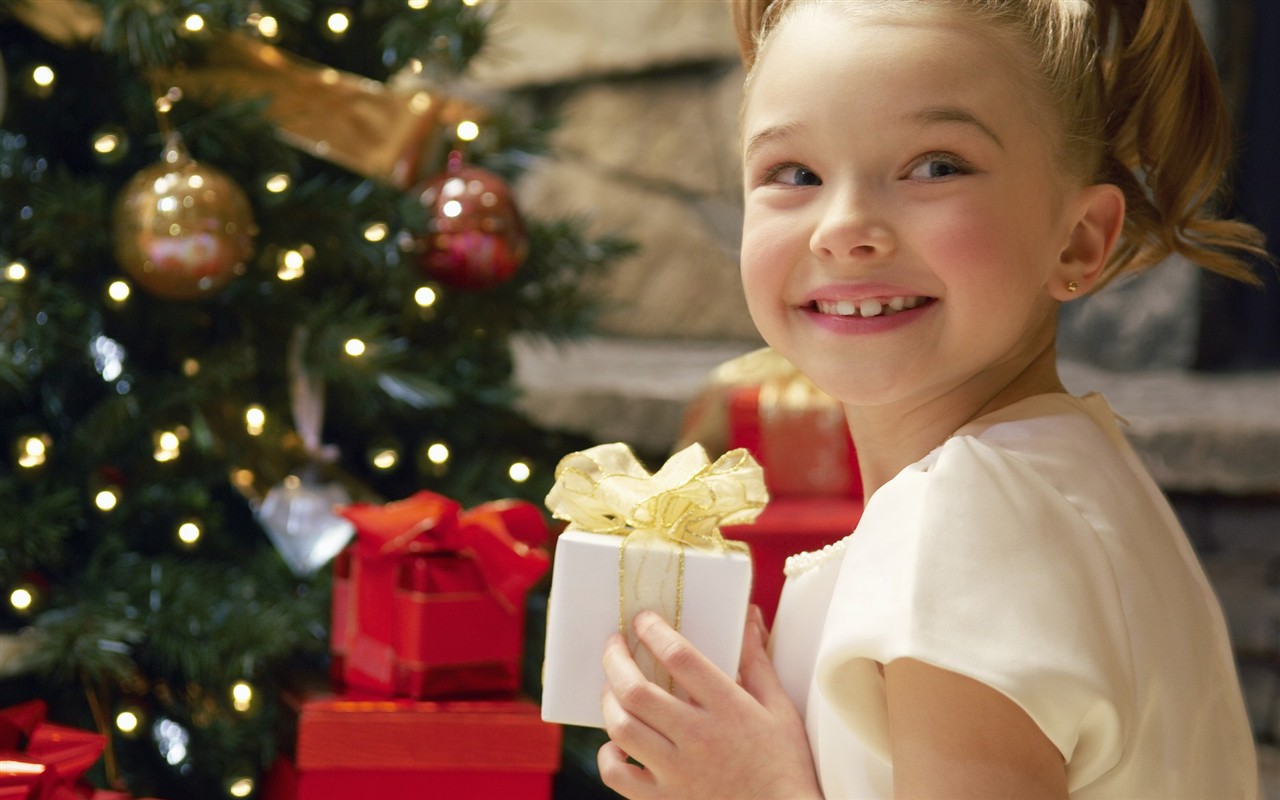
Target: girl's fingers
{"points": [[624, 778], [756, 669], [632, 734], [756, 616], [634, 693], [701, 679], [753, 632]]}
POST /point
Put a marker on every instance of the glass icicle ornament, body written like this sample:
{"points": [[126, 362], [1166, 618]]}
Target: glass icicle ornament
{"points": [[297, 514], [298, 517]]}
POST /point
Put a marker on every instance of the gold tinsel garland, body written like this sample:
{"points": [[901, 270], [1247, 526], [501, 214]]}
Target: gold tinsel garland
{"points": [[374, 129]]}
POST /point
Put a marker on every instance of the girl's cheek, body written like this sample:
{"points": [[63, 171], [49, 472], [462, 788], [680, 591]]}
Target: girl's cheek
{"points": [[763, 283], [964, 240], [773, 234]]}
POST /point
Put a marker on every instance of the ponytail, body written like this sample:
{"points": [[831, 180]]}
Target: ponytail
{"points": [[748, 24], [1167, 140]]}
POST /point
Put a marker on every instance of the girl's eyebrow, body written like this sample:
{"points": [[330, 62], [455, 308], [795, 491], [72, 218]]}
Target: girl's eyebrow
{"points": [[932, 115], [940, 114], [768, 134]]}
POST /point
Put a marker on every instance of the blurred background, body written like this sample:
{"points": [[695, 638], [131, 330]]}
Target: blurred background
{"points": [[181, 410]]}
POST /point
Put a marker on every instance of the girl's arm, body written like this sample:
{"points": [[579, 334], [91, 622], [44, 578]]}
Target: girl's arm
{"points": [[955, 737], [728, 740]]}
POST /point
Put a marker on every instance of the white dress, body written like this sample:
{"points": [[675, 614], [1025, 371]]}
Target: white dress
{"points": [[1031, 551]]}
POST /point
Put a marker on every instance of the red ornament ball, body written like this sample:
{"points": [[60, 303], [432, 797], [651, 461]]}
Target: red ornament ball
{"points": [[475, 238]]}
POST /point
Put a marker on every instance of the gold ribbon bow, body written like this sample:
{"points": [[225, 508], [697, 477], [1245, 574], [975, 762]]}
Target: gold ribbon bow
{"points": [[606, 490]]}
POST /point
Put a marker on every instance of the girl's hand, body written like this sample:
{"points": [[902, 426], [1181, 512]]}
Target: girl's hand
{"points": [[726, 741]]}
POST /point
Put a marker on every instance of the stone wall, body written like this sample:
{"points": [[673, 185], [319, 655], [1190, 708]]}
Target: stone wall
{"points": [[647, 91]]}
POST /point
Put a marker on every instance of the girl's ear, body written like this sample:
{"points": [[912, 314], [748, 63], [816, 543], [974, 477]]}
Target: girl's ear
{"points": [[1099, 218]]}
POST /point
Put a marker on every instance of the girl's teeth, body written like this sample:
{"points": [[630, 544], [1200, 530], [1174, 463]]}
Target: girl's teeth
{"points": [[867, 308]]}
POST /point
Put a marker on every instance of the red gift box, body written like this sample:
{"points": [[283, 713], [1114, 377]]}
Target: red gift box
{"points": [[349, 747], [802, 442], [43, 761], [429, 601]]}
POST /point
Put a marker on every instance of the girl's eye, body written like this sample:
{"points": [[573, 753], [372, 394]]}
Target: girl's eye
{"points": [[939, 165], [793, 175]]}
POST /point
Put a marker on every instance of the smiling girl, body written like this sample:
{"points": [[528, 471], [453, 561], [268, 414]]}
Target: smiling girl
{"points": [[1018, 613]]}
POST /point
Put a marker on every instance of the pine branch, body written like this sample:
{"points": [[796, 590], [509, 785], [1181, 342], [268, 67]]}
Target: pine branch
{"points": [[445, 36], [548, 292], [146, 34], [142, 33], [38, 522], [70, 233], [236, 136], [91, 641]]}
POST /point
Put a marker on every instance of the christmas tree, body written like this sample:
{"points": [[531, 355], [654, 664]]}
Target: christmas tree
{"points": [[257, 257]]}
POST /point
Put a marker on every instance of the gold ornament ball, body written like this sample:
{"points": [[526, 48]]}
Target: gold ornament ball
{"points": [[182, 229]]}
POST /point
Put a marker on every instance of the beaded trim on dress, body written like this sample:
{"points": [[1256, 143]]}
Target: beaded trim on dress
{"points": [[803, 562]]}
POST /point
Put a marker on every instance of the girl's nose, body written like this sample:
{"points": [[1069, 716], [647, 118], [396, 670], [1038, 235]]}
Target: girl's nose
{"points": [[852, 225]]}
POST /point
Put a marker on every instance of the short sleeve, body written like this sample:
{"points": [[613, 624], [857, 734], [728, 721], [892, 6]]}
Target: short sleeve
{"points": [[975, 563]]}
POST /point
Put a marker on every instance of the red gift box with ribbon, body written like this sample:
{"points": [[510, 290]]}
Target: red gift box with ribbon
{"points": [[429, 601], [43, 761], [811, 469], [763, 404]]}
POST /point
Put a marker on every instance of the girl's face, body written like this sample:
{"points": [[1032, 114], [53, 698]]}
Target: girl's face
{"points": [[904, 214]]}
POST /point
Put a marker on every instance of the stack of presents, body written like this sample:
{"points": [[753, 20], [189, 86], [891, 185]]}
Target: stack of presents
{"points": [[428, 605], [426, 639]]}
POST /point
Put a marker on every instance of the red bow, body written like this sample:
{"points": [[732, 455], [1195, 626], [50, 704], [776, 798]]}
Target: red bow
{"points": [[40, 760], [501, 536]]}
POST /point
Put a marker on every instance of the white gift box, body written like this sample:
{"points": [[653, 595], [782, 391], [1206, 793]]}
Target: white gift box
{"points": [[583, 610]]}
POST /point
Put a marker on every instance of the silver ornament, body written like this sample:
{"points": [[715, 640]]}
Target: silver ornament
{"points": [[298, 517]]}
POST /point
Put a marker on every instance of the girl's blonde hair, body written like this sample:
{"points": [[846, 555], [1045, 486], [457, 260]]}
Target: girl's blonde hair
{"points": [[1139, 106]]}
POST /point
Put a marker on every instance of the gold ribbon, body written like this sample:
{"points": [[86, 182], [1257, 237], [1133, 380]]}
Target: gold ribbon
{"points": [[378, 130], [606, 490]]}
